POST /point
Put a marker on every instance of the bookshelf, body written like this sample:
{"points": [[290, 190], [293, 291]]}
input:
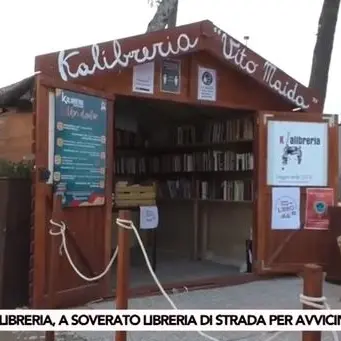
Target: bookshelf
{"points": [[211, 160]]}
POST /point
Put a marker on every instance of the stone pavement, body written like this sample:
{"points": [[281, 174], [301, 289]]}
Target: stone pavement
{"points": [[272, 294]]}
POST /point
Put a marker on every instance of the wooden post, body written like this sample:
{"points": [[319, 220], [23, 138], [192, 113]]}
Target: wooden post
{"points": [[154, 253], [312, 287], [195, 229], [123, 267], [53, 264]]}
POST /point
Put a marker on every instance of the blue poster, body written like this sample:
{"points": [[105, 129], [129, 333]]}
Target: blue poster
{"points": [[80, 148]]}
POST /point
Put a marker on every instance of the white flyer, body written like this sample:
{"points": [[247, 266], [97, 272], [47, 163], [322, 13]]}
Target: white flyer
{"points": [[297, 153], [285, 208], [149, 217], [207, 84], [143, 78]]}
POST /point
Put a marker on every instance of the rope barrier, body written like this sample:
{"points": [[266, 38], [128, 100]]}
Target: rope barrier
{"points": [[63, 246], [313, 302]]}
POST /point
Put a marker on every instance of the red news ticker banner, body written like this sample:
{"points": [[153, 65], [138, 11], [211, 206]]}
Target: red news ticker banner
{"points": [[316, 209]]}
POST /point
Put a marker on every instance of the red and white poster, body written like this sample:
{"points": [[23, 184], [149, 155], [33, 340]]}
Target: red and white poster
{"points": [[316, 208]]}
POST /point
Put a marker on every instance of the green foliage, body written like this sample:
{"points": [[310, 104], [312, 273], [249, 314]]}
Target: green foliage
{"points": [[15, 170]]}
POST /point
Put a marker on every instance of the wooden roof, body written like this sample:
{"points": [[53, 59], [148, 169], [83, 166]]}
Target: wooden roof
{"points": [[201, 36], [18, 94]]}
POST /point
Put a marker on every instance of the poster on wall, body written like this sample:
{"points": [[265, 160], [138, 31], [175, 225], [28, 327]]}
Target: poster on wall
{"points": [[143, 78], [170, 76], [80, 148], [207, 84], [297, 153], [316, 208], [285, 208]]}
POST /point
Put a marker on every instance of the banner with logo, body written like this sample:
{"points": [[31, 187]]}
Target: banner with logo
{"points": [[80, 146], [285, 208], [316, 208], [297, 153]]}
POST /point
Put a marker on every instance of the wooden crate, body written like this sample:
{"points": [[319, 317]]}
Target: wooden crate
{"points": [[134, 195]]}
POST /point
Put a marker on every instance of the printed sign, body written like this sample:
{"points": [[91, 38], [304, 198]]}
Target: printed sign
{"points": [[80, 148], [143, 78], [285, 208], [316, 208], [149, 217], [207, 84], [170, 76], [297, 153]]}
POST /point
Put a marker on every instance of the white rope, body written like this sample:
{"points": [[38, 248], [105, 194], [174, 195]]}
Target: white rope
{"points": [[63, 246], [318, 303], [128, 224], [313, 302]]}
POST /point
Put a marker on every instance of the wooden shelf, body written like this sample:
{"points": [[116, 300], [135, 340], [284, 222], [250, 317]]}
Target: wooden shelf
{"points": [[182, 148], [205, 200], [245, 173], [226, 201], [176, 151]]}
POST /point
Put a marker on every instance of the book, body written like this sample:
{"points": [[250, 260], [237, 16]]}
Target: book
{"points": [[177, 170]]}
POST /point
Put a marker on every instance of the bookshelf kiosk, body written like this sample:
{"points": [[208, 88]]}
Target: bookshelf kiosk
{"points": [[194, 111]]}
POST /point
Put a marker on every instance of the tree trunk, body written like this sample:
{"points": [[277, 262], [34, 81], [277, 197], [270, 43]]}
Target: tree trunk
{"points": [[165, 16], [173, 16], [324, 47]]}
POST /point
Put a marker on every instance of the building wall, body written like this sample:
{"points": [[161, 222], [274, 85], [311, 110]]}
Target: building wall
{"points": [[15, 136], [234, 89]]}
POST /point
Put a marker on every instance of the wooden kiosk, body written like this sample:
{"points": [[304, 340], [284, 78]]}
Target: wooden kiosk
{"points": [[190, 109]]}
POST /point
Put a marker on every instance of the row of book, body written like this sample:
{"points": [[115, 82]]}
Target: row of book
{"points": [[209, 161], [230, 190], [215, 132], [128, 139], [231, 130], [186, 135], [227, 190]]}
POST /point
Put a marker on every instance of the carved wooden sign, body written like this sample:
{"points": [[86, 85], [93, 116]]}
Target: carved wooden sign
{"points": [[263, 71], [117, 54]]}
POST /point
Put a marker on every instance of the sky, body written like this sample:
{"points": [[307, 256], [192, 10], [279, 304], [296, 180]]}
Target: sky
{"points": [[281, 31]]}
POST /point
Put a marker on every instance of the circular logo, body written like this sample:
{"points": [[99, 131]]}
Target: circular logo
{"points": [[56, 176], [57, 160], [207, 78], [320, 207], [60, 126], [60, 142], [286, 207]]}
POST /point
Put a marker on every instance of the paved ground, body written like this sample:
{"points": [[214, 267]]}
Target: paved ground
{"points": [[274, 294]]}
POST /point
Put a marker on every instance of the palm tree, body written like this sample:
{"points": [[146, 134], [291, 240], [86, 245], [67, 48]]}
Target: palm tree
{"points": [[165, 15], [324, 47]]}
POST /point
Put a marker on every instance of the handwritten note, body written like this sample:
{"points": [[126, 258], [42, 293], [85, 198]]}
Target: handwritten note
{"points": [[149, 217]]}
